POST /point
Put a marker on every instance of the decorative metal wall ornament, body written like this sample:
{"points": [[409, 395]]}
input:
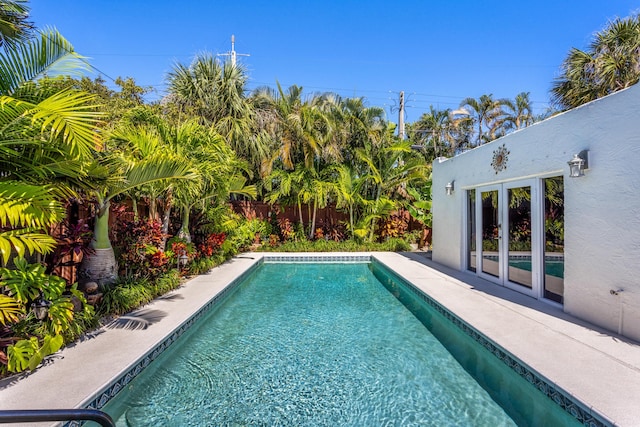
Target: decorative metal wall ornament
{"points": [[500, 158]]}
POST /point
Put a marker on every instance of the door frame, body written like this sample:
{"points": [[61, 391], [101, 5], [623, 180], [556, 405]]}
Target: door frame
{"points": [[503, 243]]}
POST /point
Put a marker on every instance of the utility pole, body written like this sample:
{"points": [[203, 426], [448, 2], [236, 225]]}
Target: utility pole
{"points": [[401, 117], [233, 53]]}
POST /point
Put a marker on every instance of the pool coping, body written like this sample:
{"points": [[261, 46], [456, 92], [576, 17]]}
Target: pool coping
{"points": [[427, 280], [582, 413]]}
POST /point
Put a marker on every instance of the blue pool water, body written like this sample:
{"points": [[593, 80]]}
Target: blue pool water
{"points": [[327, 345]]}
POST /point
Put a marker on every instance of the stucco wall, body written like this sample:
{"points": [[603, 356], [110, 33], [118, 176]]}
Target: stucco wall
{"points": [[602, 209]]}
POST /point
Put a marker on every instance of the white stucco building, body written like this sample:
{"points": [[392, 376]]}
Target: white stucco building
{"points": [[517, 218]]}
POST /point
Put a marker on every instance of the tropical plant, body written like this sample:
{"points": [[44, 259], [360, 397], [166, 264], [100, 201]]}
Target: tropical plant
{"points": [[44, 138], [126, 173], [15, 27], [24, 286], [347, 193], [392, 165], [300, 126], [420, 207], [46, 143], [214, 94], [435, 133], [611, 63], [518, 113], [484, 112]]}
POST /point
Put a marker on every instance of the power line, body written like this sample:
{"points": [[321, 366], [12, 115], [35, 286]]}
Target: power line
{"points": [[81, 59]]}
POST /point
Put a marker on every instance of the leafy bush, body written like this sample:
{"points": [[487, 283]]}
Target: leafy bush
{"points": [[131, 293], [392, 245], [243, 235], [138, 247], [167, 282], [72, 245], [395, 225], [24, 339], [126, 295], [211, 244]]}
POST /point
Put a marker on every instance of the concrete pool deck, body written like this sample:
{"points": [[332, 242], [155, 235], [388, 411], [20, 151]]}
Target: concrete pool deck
{"points": [[598, 368]]}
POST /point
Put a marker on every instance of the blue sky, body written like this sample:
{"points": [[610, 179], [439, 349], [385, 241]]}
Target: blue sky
{"points": [[437, 52]]}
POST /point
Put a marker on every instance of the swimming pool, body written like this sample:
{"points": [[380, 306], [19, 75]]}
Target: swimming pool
{"points": [[324, 352]]}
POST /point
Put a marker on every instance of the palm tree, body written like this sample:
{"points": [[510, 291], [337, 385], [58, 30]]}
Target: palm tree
{"points": [[347, 191], [435, 129], [15, 28], [126, 173], [483, 112], [219, 170], [611, 63], [284, 187], [391, 166], [351, 123], [46, 140], [215, 93], [518, 113]]}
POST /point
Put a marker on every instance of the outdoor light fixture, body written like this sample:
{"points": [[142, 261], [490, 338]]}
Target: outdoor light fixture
{"points": [[578, 164], [183, 259], [449, 188], [40, 308]]}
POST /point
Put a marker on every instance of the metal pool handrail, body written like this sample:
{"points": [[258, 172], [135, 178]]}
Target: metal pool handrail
{"points": [[35, 415]]}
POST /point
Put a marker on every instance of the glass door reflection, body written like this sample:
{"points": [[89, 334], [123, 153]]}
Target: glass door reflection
{"points": [[554, 239], [490, 233], [471, 230], [519, 236]]}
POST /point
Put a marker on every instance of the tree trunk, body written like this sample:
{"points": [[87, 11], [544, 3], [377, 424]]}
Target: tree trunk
{"points": [[101, 228], [313, 220], [309, 218], [134, 206], [165, 226], [101, 266], [374, 222], [183, 233], [300, 215], [351, 220], [153, 208]]}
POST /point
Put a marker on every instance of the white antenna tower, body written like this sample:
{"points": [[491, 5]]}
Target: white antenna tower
{"points": [[233, 53]]}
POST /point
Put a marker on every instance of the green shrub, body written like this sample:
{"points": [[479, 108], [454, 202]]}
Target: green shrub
{"points": [[201, 265], [321, 245], [167, 282], [125, 296]]}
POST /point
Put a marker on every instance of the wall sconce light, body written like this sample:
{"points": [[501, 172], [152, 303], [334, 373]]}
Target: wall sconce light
{"points": [[449, 188], [578, 164]]}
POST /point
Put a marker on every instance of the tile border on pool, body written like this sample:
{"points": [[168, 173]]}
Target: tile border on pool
{"points": [[110, 391], [317, 258], [575, 408]]}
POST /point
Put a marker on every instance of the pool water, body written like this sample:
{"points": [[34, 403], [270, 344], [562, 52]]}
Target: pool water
{"points": [[322, 345]]}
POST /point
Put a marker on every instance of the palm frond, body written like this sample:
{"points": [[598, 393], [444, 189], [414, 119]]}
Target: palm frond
{"points": [[24, 205], [153, 170], [24, 241], [50, 53], [71, 115]]}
